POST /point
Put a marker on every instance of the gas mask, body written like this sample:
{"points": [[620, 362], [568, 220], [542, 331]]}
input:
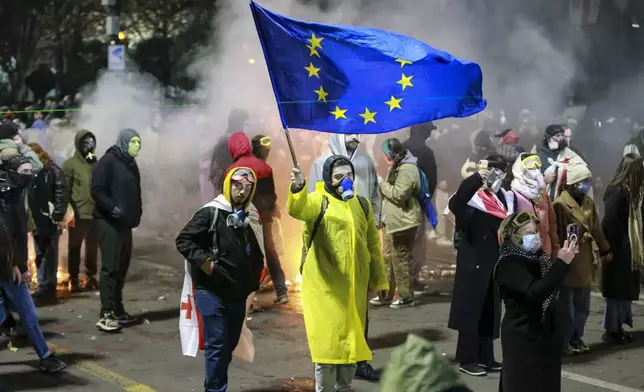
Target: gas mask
{"points": [[495, 180], [345, 189], [87, 149], [238, 220]]}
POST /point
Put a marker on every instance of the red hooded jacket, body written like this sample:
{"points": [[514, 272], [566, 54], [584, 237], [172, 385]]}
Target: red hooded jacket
{"points": [[241, 151]]}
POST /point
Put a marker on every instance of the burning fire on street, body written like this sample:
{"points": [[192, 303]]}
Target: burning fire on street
{"points": [[62, 276]]}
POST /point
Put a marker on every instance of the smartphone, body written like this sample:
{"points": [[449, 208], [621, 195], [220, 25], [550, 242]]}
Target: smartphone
{"points": [[572, 231]]}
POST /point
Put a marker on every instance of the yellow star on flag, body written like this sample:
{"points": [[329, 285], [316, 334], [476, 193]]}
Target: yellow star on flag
{"points": [[312, 70], [321, 94], [405, 81], [315, 41], [368, 116], [403, 62], [394, 103], [339, 113], [313, 51]]}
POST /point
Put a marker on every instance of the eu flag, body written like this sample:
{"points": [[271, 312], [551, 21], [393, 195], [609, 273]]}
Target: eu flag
{"points": [[361, 80]]}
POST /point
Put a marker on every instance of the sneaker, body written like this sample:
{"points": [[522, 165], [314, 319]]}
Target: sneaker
{"points": [[281, 300], [473, 369], [613, 338], [125, 319], [44, 293], [51, 364], [91, 285], [583, 346], [494, 366], [569, 351], [628, 338], [379, 301], [366, 372], [108, 323], [402, 303]]}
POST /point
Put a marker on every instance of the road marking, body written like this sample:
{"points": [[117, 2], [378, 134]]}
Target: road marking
{"points": [[597, 383], [105, 374], [599, 295]]}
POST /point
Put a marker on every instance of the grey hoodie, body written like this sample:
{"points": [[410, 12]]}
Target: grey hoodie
{"points": [[366, 181]]}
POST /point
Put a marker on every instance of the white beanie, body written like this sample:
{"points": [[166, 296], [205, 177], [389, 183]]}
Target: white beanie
{"points": [[577, 173]]}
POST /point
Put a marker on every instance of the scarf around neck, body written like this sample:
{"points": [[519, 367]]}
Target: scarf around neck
{"points": [[545, 263]]}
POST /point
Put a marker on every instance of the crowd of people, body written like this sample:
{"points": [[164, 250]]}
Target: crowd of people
{"points": [[526, 230]]}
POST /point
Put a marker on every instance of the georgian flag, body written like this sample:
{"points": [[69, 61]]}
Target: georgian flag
{"points": [[190, 322], [486, 201]]}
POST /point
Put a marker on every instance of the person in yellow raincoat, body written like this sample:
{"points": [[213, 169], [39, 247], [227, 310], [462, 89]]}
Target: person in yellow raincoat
{"points": [[343, 262]]}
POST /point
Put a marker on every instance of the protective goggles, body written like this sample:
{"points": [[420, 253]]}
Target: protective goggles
{"points": [[532, 162], [243, 175], [265, 141]]}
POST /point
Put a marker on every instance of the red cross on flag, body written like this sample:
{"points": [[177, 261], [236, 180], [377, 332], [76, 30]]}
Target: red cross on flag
{"points": [[190, 323]]}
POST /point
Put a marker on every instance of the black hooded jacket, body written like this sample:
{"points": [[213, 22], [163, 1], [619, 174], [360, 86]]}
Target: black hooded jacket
{"points": [[426, 158], [116, 182]]}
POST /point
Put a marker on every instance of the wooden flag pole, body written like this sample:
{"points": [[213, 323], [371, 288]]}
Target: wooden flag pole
{"points": [[291, 148]]}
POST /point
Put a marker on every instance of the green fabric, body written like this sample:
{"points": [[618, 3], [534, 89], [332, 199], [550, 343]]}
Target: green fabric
{"points": [[401, 208], [78, 178], [24, 150], [418, 366]]}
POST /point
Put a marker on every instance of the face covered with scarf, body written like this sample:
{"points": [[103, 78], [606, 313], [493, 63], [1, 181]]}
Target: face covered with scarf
{"points": [[528, 179], [19, 171]]}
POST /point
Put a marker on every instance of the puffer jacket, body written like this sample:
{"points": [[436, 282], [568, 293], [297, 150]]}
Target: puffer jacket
{"points": [[78, 176], [399, 193]]}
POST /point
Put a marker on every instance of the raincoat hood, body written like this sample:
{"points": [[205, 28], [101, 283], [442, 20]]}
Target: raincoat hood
{"points": [[339, 147], [239, 145], [123, 140], [334, 160], [419, 366], [529, 183], [227, 185]]}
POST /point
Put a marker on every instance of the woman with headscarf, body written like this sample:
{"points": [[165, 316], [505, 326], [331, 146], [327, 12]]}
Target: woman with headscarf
{"points": [[528, 282], [622, 226], [556, 158], [529, 188], [116, 189]]}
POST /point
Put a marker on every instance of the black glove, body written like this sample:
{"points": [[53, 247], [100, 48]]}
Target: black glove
{"points": [[116, 213]]}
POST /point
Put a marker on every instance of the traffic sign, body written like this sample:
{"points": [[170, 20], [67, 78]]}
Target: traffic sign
{"points": [[116, 57]]}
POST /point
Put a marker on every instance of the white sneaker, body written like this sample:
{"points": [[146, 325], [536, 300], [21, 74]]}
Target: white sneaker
{"points": [[379, 302], [398, 304]]}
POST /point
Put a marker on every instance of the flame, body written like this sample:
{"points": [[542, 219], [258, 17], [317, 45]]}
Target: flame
{"points": [[62, 276], [298, 282]]}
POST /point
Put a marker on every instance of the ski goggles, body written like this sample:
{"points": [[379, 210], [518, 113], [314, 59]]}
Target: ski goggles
{"points": [[532, 162], [265, 141], [243, 175]]}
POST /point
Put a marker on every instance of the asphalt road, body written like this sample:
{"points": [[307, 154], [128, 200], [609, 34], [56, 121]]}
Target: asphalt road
{"points": [[148, 358]]}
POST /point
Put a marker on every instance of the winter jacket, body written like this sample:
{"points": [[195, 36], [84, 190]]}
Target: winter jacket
{"points": [[8, 245], [425, 156], [584, 268], [78, 176], [12, 209], [619, 279], [241, 151], [366, 178], [344, 263], [542, 208], [116, 182], [48, 186], [239, 260], [400, 205]]}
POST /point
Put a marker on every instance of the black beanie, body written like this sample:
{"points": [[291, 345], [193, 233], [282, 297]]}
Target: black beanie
{"points": [[8, 130], [554, 130]]}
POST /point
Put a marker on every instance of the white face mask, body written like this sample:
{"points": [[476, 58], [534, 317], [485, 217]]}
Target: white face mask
{"points": [[553, 144], [531, 243]]}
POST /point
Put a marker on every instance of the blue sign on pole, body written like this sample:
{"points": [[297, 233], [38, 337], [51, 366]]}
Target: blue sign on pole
{"points": [[116, 57]]}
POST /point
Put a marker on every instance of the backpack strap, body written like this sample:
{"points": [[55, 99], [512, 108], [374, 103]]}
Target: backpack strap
{"points": [[365, 207], [213, 231], [316, 226]]}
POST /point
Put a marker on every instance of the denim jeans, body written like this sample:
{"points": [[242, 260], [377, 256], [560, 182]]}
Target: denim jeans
{"points": [[46, 248], [20, 297], [576, 303], [222, 323]]}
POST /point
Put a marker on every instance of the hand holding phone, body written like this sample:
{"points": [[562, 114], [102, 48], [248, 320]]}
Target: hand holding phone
{"points": [[572, 232]]}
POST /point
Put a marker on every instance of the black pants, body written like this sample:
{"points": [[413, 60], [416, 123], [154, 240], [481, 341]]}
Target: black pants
{"points": [[116, 251], [272, 258], [84, 229], [366, 332], [479, 348]]}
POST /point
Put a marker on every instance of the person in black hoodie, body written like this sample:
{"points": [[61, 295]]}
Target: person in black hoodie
{"points": [[48, 204], [116, 189], [221, 158], [416, 145], [220, 244]]}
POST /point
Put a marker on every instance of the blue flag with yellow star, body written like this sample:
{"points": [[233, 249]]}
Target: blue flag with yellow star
{"points": [[361, 80]]}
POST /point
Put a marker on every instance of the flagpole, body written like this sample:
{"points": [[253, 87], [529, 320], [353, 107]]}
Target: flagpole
{"points": [[291, 148]]}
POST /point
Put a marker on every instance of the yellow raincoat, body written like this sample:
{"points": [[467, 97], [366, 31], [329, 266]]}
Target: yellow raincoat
{"points": [[343, 264]]}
